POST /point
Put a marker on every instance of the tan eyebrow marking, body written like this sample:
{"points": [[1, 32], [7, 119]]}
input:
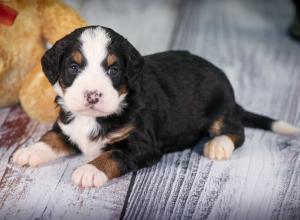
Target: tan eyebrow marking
{"points": [[77, 57], [111, 59]]}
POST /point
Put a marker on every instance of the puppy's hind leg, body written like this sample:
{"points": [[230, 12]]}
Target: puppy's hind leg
{"points": [[227, 134]]}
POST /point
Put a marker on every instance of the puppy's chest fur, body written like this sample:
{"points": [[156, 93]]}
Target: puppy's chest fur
{"points": [[84, 132], [80, 130]]}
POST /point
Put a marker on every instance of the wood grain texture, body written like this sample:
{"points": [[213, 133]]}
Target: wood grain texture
{"points": [[248, 40], [146, 24], [47, 192]]}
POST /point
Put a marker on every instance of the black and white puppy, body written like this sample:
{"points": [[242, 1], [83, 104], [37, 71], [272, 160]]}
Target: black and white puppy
{"points": [[126, 110]]}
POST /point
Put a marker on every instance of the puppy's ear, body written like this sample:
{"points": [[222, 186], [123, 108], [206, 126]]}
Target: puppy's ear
{"points": [[134, 65], [51, 60]]}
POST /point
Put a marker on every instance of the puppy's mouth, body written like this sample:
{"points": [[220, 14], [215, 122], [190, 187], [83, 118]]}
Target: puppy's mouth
{"points": [[91, 110]]}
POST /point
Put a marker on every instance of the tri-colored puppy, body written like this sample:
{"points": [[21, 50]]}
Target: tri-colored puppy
{"points": [[126, 110]]}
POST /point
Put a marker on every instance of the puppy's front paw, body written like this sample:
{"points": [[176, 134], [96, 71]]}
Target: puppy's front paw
{"points": [[89, 176], [34, 155], [219, 148]]}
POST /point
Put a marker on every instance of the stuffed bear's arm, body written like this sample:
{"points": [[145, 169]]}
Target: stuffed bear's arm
{"points": [[37, 96], [58, 19]]}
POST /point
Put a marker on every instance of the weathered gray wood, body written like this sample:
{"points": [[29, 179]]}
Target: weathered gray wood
{"points": [[262, 180], [3, 114], [46, 192], [147, 25]]}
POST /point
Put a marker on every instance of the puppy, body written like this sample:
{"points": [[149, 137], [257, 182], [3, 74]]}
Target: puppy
{"points": [[126, 110]]}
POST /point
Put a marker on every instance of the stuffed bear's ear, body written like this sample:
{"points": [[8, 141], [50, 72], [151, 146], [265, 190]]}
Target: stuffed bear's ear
{"points": [[134, 65], [51, 60]]}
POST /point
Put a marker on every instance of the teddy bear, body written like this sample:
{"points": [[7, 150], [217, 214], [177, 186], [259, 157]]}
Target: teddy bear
{"points": [[27, 27]]}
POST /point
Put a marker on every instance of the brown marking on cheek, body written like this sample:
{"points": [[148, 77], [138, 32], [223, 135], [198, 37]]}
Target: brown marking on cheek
{"points": [[123, 89], [216, 127], [77, 57], [119, 134], [57, 142], [107, 164], [62, 86], [111, 59]]}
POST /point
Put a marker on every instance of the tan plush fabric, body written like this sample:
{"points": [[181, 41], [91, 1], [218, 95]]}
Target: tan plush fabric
{"points": [[21, 48]]}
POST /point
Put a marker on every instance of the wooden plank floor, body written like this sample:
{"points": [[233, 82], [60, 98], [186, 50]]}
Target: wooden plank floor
{"points": [[47, 192], [261, 181]]}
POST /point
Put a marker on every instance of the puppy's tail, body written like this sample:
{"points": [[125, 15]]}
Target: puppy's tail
{"points": [[253, 120]]}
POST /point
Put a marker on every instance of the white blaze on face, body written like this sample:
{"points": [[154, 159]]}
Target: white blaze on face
{"points": [[93, 78]]}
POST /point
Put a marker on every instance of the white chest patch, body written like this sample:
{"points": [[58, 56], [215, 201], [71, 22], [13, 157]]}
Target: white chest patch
{"points": [[79, 131]]}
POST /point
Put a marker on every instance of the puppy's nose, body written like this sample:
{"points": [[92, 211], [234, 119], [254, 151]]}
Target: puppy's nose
{"points": [[92, 97]]}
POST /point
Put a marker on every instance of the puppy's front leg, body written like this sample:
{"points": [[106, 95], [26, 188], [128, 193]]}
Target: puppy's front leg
{"points": [[51, 146], [98, 171], [133, 153]]}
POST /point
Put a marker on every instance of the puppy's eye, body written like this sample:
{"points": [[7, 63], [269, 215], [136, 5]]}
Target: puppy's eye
{"points": [[113, 71], [74, 68]]}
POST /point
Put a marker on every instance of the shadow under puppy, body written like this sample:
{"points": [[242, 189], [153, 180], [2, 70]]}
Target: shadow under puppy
{"points": [[126, 110]]}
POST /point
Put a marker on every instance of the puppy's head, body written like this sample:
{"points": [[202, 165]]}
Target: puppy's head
{"points": [[92, 69]]}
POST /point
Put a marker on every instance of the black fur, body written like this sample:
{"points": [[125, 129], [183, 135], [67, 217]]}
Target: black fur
{"points": [[181, 96], [52, 59], [173, 99]]}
